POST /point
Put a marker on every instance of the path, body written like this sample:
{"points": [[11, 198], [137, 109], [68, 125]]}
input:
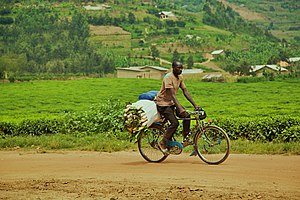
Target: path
{"points": [[125, 175]]}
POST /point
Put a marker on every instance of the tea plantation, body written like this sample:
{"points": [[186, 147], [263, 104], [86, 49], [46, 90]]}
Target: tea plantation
{"points": [[263, 112]]}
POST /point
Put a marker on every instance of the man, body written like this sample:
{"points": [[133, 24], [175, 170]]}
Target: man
{"points": [[167, 103]]}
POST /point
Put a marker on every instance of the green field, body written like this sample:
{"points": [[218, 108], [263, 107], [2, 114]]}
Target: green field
{"points": [[264, 116], [54, 98]]}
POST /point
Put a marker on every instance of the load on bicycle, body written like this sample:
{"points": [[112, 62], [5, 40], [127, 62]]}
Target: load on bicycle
{"points": [[154, 123]]}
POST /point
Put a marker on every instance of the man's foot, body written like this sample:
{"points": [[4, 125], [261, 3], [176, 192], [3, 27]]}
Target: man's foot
{"points": [[193, 153], [163, 146]]}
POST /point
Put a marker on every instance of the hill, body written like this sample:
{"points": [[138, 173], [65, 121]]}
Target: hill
{"points": [[82, 38], [282, 18]]}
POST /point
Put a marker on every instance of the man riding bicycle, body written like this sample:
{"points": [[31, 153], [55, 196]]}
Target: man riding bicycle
{"points": [[167, 103]]}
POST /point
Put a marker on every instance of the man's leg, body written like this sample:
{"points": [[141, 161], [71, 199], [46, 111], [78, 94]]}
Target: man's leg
{"points": [[169, 114], [186, 125]]}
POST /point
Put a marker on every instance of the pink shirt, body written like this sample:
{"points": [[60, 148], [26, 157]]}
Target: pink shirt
{"points": [[169, 81]]}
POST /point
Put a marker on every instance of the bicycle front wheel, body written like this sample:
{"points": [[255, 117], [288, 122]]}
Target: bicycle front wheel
{"points": [[212, 145], [148, 145]]}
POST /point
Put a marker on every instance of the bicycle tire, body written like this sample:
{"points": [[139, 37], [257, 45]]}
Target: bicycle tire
{"points": [[212, 145], [148, 145]]}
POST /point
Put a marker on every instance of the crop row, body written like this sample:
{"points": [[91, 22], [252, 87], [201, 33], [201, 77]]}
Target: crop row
{"points": [[107, 119]]}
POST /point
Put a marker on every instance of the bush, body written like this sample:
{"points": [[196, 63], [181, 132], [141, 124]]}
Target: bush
{"points": [[277, 129], [291, 134], [251, 79], [6, 20], [103, 118], [107, 119], [11, 79], [32, 127]]}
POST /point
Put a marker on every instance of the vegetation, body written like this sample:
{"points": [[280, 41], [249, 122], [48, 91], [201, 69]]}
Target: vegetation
{"points": [[257, 114], [41, 40], [53, 39]]}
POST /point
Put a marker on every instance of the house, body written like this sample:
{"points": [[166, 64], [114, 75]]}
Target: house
{"points": [[153, 72], [191, 71], [216, 53], [296, 59], [190, 37], [213, 78], [260, 69], [166, 15], [97, 7]]}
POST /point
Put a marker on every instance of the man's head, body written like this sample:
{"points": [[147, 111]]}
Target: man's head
{"points": [[177, 68]]}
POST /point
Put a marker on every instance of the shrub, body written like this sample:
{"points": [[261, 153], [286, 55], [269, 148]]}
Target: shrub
{"points": [[32, 127], [107, 119], [277, 129], [6, 20], [291, 134], [251, 79]]}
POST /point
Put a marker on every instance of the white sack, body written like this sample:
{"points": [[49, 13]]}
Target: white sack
{"points": [[149, 107]]}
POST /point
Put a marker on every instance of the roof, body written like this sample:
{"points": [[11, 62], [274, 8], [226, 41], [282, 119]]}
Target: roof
{"points": [[156, 67], [273, 67], [131, 69], [142, 68], [170, 14], [296, 59], [97, 7], [216, 52], [209, 76], [192, 71]]}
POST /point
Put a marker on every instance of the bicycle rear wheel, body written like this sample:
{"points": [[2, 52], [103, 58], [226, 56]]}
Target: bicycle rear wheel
{"points": [[212, 145], [148, 145]]}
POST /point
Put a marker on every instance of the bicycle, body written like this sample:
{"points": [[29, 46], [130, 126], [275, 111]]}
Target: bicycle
{"points": [[211, 143]]}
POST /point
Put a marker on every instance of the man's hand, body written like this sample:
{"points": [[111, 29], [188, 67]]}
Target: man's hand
{"points": [[201, 112], [183, 113], [198, 108]]}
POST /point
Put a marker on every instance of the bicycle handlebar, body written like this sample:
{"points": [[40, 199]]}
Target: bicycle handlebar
{"points": [[198, 113]]}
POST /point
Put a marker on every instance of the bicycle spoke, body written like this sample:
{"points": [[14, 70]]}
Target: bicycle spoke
{"points": [[213, 145], [148, 146]]}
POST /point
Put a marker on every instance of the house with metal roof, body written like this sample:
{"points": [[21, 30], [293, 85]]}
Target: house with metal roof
{"points": [[217, 52], [153, 72], [166, 15], [192, 71], [296, 59], [260, 69]]}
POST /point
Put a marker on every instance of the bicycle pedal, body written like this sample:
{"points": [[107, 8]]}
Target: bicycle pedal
{"points": [[187, 143]]}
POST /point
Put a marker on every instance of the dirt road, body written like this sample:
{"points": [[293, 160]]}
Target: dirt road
{"points": [[125, 175]]}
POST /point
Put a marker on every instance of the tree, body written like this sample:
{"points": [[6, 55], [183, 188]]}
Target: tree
{"points": [[190, 62], [79, 26], [244, 68], [131, 18], [176, 56], [154, 51]]}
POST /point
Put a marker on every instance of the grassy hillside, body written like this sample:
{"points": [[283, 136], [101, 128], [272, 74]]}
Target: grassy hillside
{"points": [[281, 17]]}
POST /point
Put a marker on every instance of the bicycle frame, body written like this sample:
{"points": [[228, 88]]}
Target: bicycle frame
{"points": [[198, 127]]}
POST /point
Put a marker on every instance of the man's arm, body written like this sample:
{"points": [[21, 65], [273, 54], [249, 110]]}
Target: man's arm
{"points": [[189, 98]]}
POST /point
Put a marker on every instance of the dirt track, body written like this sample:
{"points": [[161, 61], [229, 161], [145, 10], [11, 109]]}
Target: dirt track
{"points": [[125, 175]]}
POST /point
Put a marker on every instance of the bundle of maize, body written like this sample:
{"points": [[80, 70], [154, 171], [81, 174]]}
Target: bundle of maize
{"points": [[135, 120]]}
